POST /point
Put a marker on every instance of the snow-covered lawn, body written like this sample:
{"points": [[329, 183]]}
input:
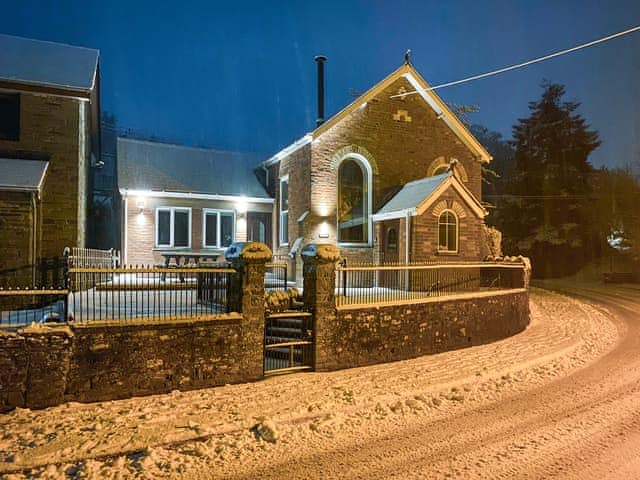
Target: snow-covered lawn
{"points": [[243, 431]]}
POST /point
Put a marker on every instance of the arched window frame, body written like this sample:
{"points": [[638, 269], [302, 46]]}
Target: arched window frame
{"points": [[368, 173], [392, 240], [457, 236]]}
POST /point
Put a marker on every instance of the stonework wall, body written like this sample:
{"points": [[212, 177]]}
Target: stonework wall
{"points": [[44, 366], [365, 336], [16, 226], [50, 128]]}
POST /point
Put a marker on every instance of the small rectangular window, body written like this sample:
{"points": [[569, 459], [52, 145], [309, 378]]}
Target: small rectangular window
{"points": [[10, 117], [173, 227], [219, 228], [284, 210]]}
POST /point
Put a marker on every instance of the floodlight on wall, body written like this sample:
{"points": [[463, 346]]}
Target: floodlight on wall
{"points": [[324, 230], [242, 206], [141, 203]]}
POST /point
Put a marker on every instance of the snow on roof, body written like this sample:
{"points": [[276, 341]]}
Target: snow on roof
{"points": [[37, 62], [22, 175], [144, 165], [413, 194]]}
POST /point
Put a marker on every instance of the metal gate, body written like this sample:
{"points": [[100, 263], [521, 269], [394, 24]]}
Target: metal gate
{"points": [[288, 342]]}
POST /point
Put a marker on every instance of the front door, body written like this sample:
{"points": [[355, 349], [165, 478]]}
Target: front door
{"points": [[259, 227]]}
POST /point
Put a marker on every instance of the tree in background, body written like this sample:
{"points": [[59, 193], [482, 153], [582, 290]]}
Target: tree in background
{"points": [[546, 211]]}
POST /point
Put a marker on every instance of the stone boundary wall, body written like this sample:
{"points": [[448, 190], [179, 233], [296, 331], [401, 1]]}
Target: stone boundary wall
{"points": [[353, 336], [368, 335], [42, 366]]}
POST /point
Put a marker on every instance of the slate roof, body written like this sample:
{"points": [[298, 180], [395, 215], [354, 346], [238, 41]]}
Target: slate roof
{"points": [[36, 62], [22, 175], [413, 194], [144, 165]]}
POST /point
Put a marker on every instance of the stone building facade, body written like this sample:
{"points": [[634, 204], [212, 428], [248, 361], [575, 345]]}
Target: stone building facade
{"points": [[49, 112], [330, 185]]}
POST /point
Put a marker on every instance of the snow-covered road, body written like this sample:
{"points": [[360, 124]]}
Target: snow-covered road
{"points": [[558, 400]]}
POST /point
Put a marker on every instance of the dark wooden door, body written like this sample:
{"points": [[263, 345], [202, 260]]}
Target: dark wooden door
{"points": [[259, 227]]}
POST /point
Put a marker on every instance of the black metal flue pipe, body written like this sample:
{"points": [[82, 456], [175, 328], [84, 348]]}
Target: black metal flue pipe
{"points": [[320, 59]]}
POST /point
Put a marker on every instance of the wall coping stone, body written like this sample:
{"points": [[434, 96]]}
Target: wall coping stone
{"points": [[221, 318], [250, 252], [46, 329], [321, 252], [441, 299]]}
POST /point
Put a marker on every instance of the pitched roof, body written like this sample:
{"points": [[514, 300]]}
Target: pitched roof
{"points": [[424, 90], [415, 197], [144, 165], [49, 64], [22, 175]]}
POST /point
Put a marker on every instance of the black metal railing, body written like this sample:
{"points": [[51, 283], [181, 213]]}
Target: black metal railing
{"points": [[44, 273], [147, 293], [366, 284], [275, 277], [288, 342], [21, 307]]}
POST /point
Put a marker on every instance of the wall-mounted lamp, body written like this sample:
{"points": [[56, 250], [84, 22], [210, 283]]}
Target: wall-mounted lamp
{"points": [[241, 207], [141, 203], [324, 230]]}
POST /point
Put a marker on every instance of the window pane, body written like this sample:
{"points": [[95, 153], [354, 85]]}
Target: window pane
{"points": [[181, 229], [451, 237], [284, 195], [164, 227], [352, 203], [10, 117], [226, 229], [284, 227], [442, 236], [211, 230]]}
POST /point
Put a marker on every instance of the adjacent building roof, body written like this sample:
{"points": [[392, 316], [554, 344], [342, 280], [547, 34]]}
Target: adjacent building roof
{"points": [[422, 89], [22, 175], [48, 64], [415, 197], [163, 167]]}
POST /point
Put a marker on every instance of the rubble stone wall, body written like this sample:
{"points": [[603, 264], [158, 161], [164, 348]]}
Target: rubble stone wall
{"points": [[369, 335], [44, 366]]}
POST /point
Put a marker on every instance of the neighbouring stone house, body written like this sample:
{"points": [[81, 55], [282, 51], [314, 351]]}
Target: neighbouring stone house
{"points": [[390, 178], [178, 199], [49, 136]]}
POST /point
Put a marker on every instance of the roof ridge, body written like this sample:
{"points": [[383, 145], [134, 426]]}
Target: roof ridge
{"points": [[96, 50], [190, 147]]}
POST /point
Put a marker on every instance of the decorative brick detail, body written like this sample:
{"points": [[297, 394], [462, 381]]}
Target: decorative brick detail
{"points": [[402, 116]]}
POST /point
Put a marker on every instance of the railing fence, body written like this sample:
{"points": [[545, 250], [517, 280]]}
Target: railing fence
{"points": [[364, 284]]}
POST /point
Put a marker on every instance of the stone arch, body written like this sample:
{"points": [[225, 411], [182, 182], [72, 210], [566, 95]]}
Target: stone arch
{"points": [[355, 151], [443, 162]]}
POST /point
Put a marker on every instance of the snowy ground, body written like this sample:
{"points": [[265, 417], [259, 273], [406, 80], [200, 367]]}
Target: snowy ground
{"points": [[464, 414]]}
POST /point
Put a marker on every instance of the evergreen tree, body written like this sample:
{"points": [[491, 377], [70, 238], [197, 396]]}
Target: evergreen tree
{"points": [[546, 212]]}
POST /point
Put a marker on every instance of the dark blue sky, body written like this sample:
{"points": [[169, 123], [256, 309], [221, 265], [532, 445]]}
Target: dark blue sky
{"points": [[241, 75]]}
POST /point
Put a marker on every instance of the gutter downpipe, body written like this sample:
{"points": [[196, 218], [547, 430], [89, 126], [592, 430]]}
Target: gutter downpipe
{"points": [[34, 238], [407, 243], [125, 248]]}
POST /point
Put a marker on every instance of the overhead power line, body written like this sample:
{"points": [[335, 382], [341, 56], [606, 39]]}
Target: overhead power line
{"points": [[523, 64]]}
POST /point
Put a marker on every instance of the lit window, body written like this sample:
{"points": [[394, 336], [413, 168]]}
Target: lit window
{"points": [[447, 232], [218, 228], [173, 227], [284, 210], [353, 203]]}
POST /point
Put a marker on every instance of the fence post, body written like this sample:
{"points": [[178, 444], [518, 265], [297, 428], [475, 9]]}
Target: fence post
{"points": [[66, 281], [319, 297], [246, 294]]}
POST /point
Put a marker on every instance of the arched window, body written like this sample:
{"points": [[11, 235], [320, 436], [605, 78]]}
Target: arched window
{"points": [[447, 232], [353, 202]]}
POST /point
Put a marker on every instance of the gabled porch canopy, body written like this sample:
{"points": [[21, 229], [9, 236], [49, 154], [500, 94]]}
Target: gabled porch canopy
{"points": [[415, 197]]}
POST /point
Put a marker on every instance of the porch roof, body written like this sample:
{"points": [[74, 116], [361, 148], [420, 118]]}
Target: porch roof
{"points": [[416, 196], [22, 175], [412, 194]]}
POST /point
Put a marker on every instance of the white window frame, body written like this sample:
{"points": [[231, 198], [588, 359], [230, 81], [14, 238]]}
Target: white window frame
{"points": [[283, 242], [172, 211], [366, 166], [209, 211], [445, 250]]}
